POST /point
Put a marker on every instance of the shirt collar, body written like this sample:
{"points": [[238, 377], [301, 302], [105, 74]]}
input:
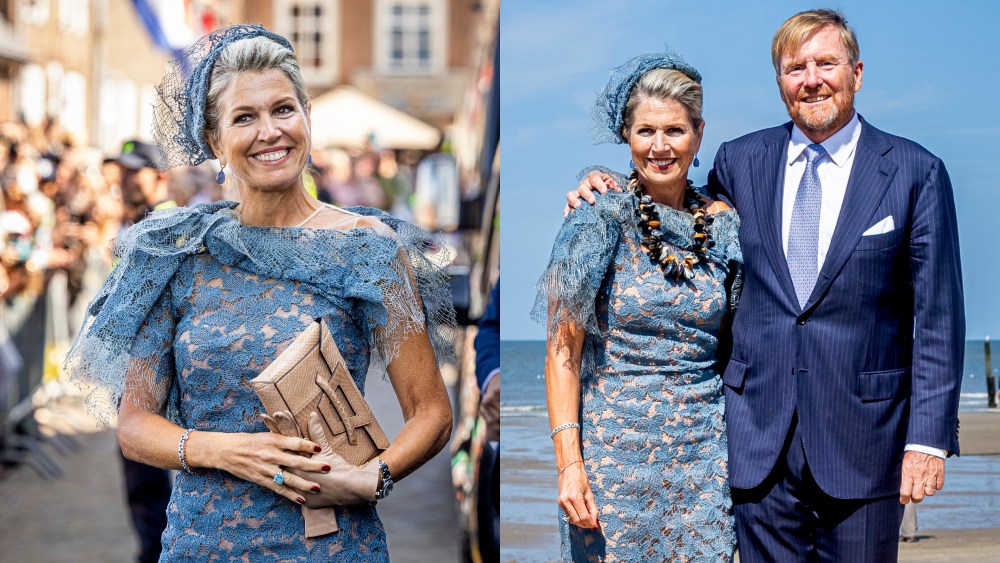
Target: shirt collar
{"points": [[840, 146]]}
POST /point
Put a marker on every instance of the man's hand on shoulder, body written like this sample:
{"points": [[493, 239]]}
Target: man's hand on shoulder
{"points": [[595, 181], [923, 475], [716, 206]]}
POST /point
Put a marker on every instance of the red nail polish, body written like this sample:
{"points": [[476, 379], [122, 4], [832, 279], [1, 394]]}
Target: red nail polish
{"points": [[317, 449], [315, 488], [300, 500], [326, 468]]}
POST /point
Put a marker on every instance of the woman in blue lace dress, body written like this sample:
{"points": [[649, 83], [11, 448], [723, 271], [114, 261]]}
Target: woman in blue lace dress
{"points": [[636, 293], [203, 299]]}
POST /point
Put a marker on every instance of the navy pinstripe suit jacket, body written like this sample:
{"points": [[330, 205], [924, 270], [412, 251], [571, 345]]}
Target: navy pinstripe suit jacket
{"points": [[874, 361]]}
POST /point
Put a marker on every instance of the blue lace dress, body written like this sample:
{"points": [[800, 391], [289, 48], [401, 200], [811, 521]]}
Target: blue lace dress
{"points": [[225, 301], [653, 435]]}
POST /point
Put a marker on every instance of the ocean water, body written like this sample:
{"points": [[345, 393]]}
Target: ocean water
{"points": [[524, 364]]}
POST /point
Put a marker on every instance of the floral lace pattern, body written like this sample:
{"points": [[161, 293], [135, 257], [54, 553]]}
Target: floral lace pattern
{"points": [[214, 329], [200, 304], [653, 434], [382, 274]]}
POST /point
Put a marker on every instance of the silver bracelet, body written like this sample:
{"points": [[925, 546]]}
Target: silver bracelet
{"points": [[181, 454], [562, 427]]}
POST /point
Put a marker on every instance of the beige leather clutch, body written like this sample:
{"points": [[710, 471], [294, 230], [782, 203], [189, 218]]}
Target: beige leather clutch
{"points": [[311, 375]]}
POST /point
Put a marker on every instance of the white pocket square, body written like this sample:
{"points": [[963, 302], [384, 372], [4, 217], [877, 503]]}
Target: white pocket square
{"points": [[884, 226]]}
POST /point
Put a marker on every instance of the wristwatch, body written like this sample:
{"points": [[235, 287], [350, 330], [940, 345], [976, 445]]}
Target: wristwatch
{"points": [[384, 481]]}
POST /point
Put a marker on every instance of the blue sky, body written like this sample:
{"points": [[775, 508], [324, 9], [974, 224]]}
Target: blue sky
{"points": [[932, 74]]}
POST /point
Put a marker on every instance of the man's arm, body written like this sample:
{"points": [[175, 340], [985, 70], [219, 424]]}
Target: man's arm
{"points": [[718, 179], [487, 346], [939, 336]]}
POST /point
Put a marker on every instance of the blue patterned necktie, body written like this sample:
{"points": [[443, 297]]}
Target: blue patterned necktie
{"points": [[803, 235]]}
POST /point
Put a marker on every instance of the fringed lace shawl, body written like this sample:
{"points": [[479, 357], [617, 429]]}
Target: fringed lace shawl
{"points": [[588, 245], [377, 272]]}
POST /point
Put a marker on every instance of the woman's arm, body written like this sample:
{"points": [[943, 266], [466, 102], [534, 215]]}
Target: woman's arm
{"points": [[426, 408], [147, 437], [562, 391], [427, 414]]}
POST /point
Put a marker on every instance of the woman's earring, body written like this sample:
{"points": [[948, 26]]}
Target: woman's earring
{"points": [[696, 163], [220, 178], [631, 165], [310, 159]]}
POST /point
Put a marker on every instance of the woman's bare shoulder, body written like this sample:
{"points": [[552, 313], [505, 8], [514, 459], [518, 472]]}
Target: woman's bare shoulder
{"points": [[332, 217]]}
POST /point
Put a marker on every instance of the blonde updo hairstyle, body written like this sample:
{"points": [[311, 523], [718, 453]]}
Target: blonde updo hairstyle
{"points": [[255, 54], [664, 84]]}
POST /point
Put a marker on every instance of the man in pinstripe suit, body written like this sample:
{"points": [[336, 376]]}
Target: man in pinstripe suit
{"points": [[843, 384]]}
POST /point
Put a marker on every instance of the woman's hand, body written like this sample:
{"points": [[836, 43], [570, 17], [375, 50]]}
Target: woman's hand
{"points": [[257, 457], [595, 181], [575, 497], [345, 484]]}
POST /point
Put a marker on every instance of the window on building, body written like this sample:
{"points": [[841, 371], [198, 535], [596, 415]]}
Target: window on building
{"points": [[312, 27], [119, 119], [32, 99], [73, 114], [410, 36], [74, 16], [35, 11]]}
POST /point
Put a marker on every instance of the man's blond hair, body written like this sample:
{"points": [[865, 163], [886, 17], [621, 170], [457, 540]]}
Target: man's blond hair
{"points": [[796, 29]]}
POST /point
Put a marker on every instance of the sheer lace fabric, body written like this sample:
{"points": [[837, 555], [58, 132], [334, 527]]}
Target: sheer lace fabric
{"points": [[653, 434], [199, 305], [382, 275]]}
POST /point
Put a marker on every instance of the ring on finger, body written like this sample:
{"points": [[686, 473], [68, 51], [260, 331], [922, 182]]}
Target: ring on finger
{"points": [[279, 477], [926, 486]]}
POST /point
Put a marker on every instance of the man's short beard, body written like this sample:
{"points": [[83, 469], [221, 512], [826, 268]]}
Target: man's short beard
{"points": [[817, 123], [826, 122]]}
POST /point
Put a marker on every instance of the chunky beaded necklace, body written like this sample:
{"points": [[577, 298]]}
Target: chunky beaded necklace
{"points": [[673, 266]]}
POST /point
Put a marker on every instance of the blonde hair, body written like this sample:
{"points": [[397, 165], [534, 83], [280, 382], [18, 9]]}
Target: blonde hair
{"points": [[664, 84], [255, 54], [796, 29]]}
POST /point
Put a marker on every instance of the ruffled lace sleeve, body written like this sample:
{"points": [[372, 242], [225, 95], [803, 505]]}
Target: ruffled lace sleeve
{"points": [[400, 287], [583, 250], [149, 376], [148, 255]]}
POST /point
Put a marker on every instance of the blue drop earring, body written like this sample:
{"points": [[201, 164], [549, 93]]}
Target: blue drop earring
{"points": [[696, 162], [220, 178], [631, 165], [309, 160]]}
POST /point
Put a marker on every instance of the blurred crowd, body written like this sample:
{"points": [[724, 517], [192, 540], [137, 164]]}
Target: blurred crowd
{"points": [[63, 205]]}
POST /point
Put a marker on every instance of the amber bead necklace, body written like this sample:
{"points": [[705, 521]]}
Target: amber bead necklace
{"points": [[674, 266]]}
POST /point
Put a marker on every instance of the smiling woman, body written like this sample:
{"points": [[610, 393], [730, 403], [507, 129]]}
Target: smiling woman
{"points": [[257, 124], [635, 296], [264, 130], [204, 299]]}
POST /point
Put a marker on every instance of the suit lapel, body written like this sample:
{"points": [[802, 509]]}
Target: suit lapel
{"points": [[768, 176], [870, 178]]}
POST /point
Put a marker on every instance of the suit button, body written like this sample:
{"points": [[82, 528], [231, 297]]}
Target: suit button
{"points": [[802, 322]]}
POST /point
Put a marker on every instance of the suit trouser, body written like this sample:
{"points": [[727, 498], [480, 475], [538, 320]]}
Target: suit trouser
{"points": [[789, 518], [148, 491]]}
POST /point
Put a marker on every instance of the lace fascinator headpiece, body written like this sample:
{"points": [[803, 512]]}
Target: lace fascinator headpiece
{"points": [[179, 109], [609, 108]]}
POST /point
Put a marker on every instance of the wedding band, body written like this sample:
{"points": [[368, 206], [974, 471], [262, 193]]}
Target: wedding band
{"points": [[279, 477], [929, 487]]}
